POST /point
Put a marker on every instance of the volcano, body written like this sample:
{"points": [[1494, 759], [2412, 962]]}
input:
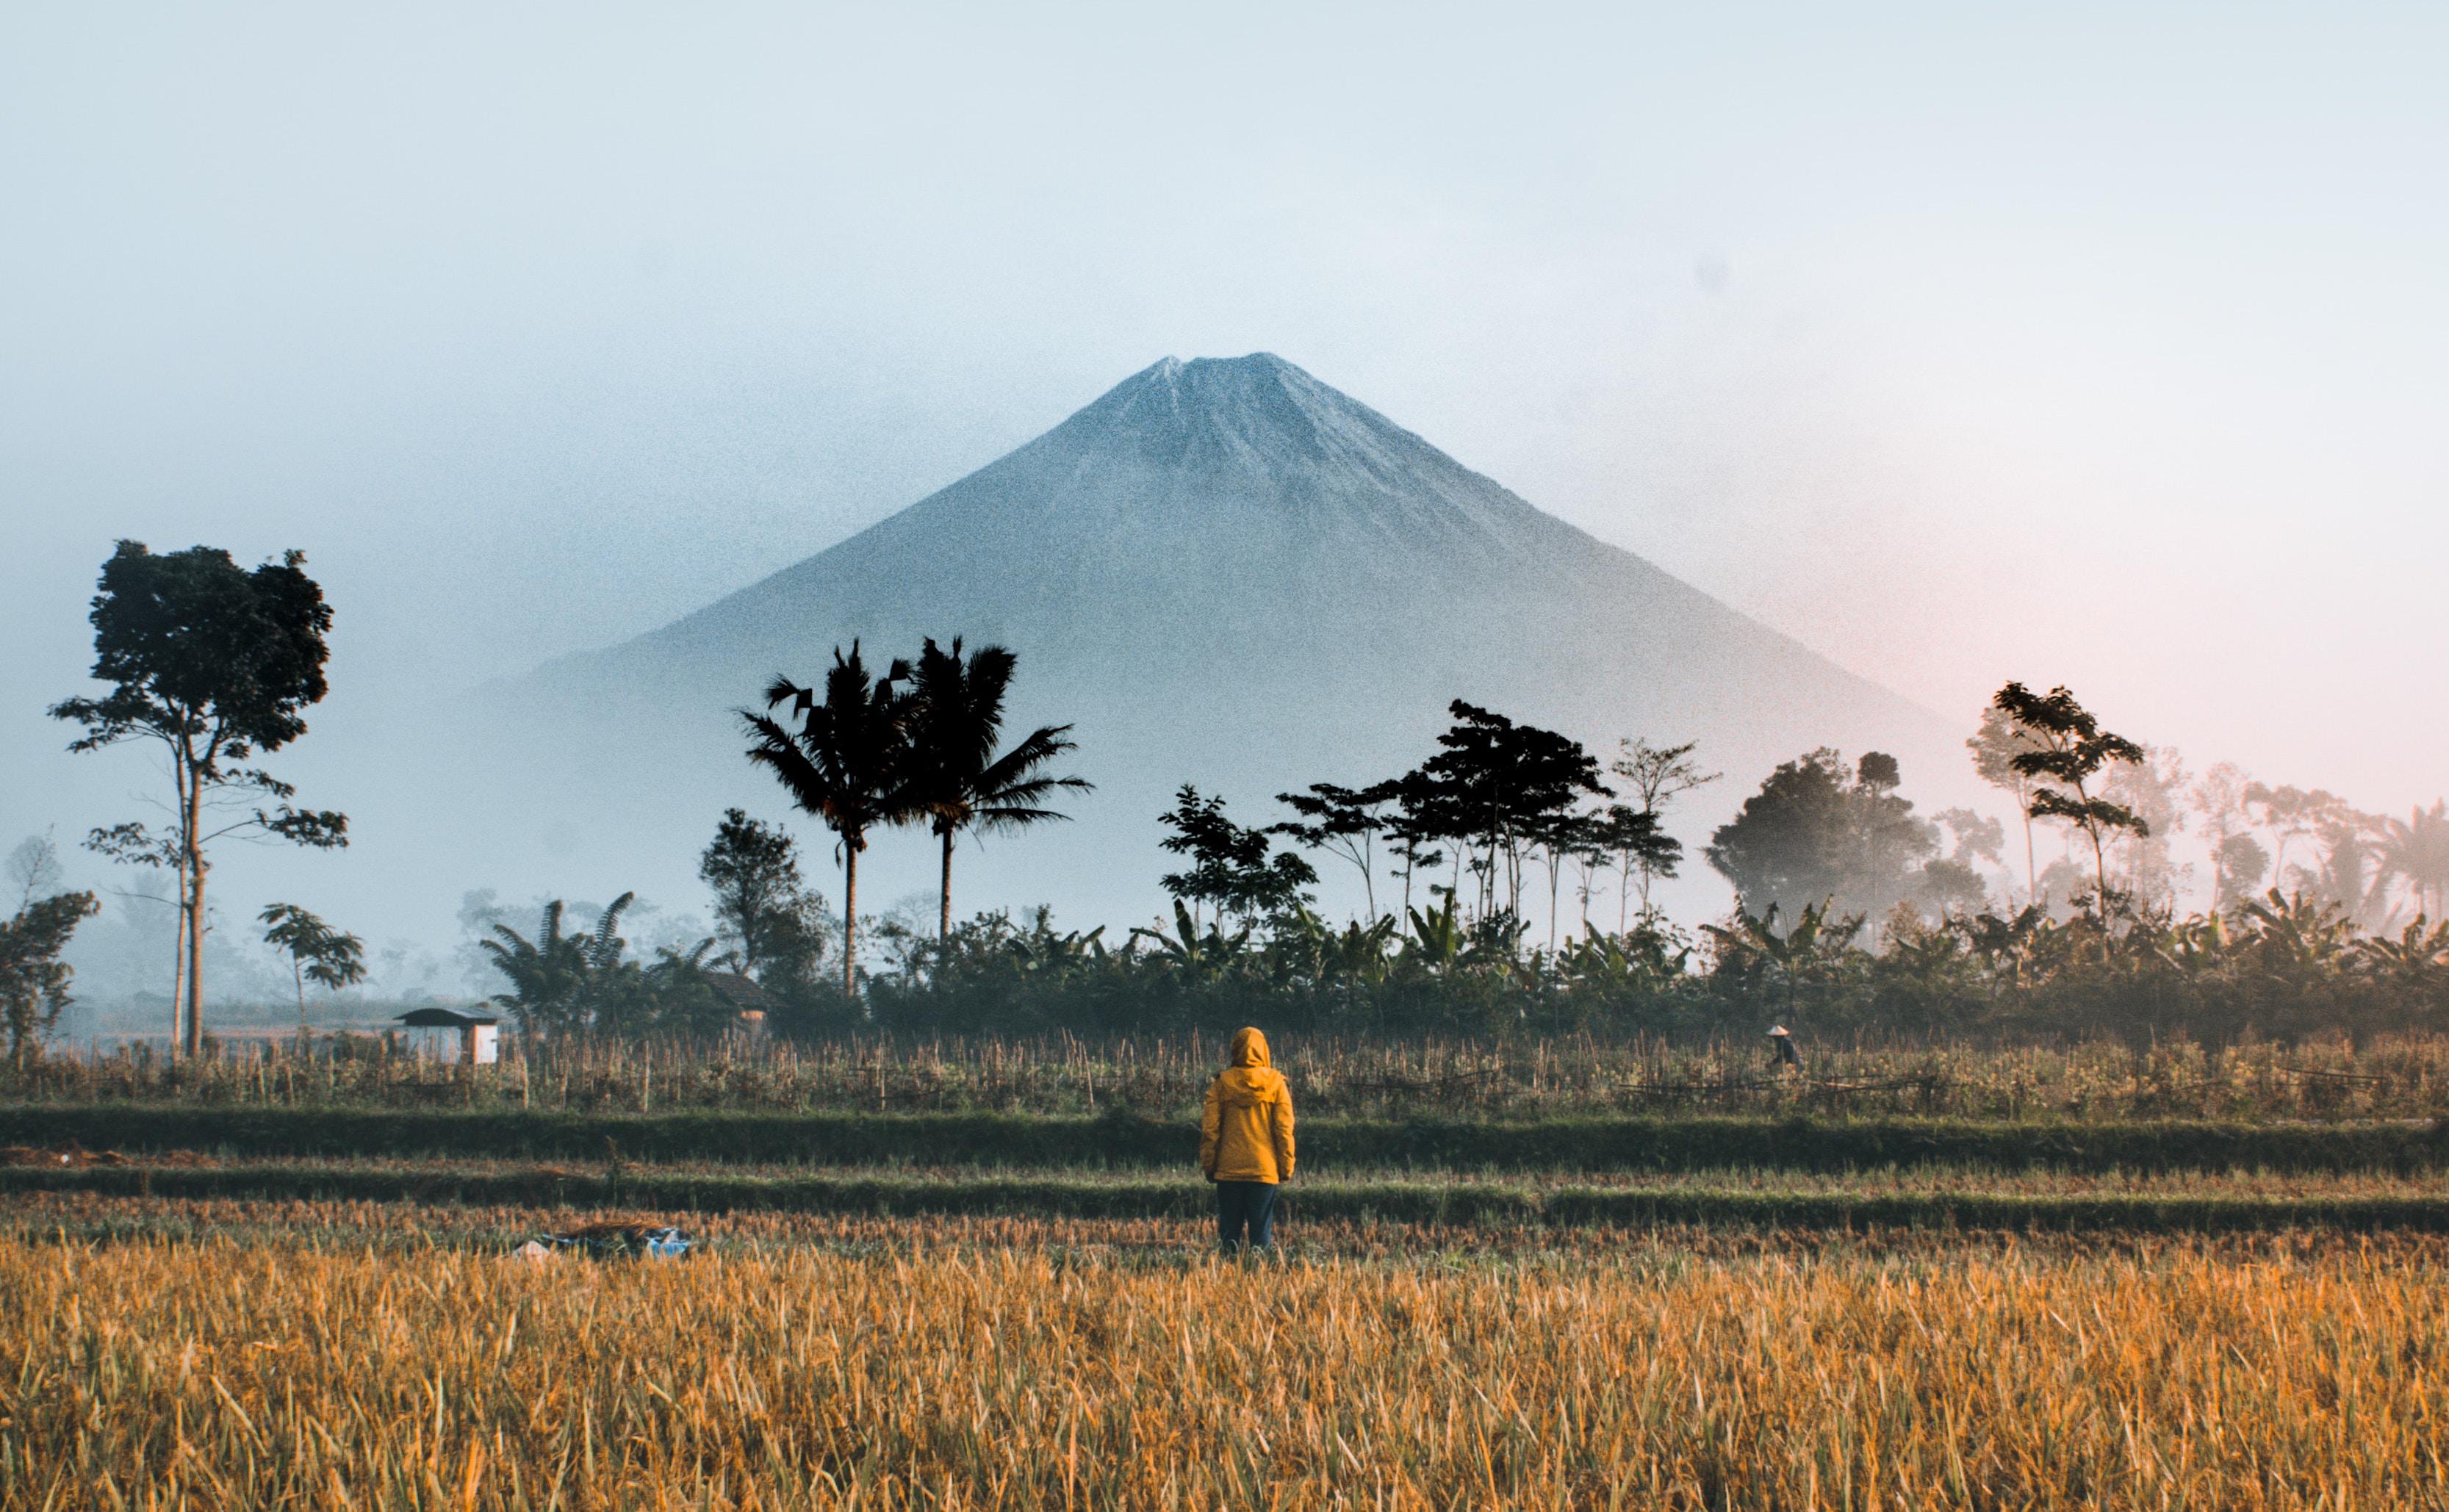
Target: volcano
{"points": [[1222, 572]]}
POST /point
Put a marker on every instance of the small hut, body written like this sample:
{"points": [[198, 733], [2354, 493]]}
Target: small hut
{"points": [[480, 1035], [744, 997]]}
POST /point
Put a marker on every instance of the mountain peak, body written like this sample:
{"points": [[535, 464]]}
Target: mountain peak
{"points": [[1257, 415], [1222, 573]]}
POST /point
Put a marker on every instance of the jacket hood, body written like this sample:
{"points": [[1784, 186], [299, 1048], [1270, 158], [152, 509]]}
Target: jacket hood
{"points": [[1249, 1047], [1250, 1080]]}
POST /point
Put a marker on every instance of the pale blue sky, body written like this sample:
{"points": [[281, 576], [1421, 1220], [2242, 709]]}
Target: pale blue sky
{"points": [[2097, 344]]}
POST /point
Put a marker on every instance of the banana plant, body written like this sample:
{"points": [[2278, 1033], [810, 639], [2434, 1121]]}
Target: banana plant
{"points": [[2418, 953], [1041, 952], [1202, 956], [2006, 947], [2295, 936], [1436, 938], [1813, 950]]}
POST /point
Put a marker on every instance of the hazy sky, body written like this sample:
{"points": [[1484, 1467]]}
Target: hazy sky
{"points": [[2100, 344]]}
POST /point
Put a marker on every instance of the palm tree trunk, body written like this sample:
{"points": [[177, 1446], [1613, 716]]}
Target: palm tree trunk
{"points": [[850, 919], [944, 915]]}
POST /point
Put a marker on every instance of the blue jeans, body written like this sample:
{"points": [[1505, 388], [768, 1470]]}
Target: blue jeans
{"points": [[1245, 1205]]}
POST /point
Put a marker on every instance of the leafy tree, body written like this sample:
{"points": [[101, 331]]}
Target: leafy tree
{"points": [[1974, 837], [33, 980], [957, 779], [2290, 814], [35, 866], [1952, 884], [1493, 780], [2069, 751], [2217, 798], [2350, 870], [1560, 836], [1634, 838], [848, 765], [332, 959], [764, 912], [214, 665], [1657, 775], [2240, 863], [1816, 831], [1994, 746], [1344, 822], [1418, 820], [1232, 869], [2154, 790]]}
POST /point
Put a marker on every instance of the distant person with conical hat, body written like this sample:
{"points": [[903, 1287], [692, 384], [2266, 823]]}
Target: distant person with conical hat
{"points": [[1246, 1143], [1783, 1043]]}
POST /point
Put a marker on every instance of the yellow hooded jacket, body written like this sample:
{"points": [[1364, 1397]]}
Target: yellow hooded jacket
{"points": [[1247, 1131]]}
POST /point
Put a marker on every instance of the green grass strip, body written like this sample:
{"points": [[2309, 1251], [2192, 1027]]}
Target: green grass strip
{"points": [[1022, 1142], [1491, 1203]]}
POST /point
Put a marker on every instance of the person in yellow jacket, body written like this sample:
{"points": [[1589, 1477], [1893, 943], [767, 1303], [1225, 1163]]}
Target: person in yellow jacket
{"points": [[1246, 1143]]}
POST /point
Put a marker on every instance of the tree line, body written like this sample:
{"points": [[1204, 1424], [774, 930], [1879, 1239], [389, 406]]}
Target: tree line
{"points": [[1848, 905]]}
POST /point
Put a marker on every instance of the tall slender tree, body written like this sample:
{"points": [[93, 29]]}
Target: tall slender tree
{"points": [[1342, 821], [848, 765], [2070, 752], [212, 663], [1994, 746], [330, 958], [1632, 837], [2217, 797], [956, 779], [1657, 774]]}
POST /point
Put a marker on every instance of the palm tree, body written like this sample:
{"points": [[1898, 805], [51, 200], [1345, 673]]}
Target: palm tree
{"points": [[555, 976], [957, 779], [847, 764], [2417, 851]]}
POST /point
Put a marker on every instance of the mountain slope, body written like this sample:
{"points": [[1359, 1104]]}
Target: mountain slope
{"points": [[1222, 572]]}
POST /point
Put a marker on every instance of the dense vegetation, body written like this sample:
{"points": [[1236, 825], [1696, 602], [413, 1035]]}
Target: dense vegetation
{"points": [[2394, 1078], [1848, 920], [1483, 874]]}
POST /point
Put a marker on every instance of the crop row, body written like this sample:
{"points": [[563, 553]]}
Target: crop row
{"points": [[218, 1376], [1020, 1142], [74, 1217], [1398, 1201]]}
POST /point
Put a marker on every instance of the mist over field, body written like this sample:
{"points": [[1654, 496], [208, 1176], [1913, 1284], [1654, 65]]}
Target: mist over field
{"points": [[1762, 381]]}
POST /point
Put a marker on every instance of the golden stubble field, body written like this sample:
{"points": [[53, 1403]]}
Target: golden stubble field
{"points": [[948, 1373]]}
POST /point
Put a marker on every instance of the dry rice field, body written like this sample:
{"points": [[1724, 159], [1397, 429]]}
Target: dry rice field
{"points": [[1006, 1364]]}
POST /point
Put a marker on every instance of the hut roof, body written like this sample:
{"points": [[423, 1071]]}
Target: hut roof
{"points": [[444, 1018]]}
